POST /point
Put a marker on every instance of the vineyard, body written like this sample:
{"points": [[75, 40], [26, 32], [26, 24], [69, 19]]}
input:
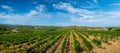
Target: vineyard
{"points": [[60, 40]]}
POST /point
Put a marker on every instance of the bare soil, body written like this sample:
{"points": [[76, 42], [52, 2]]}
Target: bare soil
{"points": [[55, 46], [59, 47], [80, 41], [71, 44], [67, 48], [113, 48]]}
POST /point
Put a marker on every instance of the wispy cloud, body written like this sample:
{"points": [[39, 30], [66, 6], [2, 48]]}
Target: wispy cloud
{"points": [[41, 8], [95, 1], [82, 14], [79, 15], [36, 15], [71, 16], [115, 4], [7, 7], [68, 7]]}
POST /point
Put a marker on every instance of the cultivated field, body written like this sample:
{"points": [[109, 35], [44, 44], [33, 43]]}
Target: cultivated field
{"points": [[59, 40]]}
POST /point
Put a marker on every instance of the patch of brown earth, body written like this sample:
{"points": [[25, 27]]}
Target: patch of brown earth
{"points": [[71, 44], [58, 50], [113, 48], [67, 48], [53, 48], [80, 41]]}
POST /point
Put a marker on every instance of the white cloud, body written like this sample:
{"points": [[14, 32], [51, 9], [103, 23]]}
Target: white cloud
{"points": [[85, 20], [7, 7], [107, 18], [95, 1], [113, 14], [86, 7], [24, 18], [68, 7], [90, 5], [82, 14], [115, 4], [32, 12], [76, 16], [33, 16], [97, 4], [41, 8]]}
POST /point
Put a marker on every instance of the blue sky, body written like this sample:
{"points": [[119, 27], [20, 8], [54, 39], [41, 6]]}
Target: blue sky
{"points": [[100, 13]]}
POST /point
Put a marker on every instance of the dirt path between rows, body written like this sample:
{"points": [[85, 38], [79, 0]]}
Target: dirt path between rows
{"points": [[113, 48], [58, 49], [94, 46], [52, 49], [67, 48], [81, 43], [71, 43], [38, 50]]}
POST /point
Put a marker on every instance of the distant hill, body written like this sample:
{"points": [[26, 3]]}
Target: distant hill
{"points": [[88, 28], [10, 27]]}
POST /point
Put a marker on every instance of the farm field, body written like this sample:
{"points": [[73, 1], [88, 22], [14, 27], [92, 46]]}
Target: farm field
{"points": [[59, 26], [60, 40]]}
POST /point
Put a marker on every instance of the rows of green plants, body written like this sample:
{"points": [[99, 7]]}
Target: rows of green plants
{"points": [[100, 36], [107, 34], [95, 40], [85, 41], [52, 42], [43, 41], [19, 38], [39, 43], [31, 41], [77, 46], [64, 43], [36, 38]]}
